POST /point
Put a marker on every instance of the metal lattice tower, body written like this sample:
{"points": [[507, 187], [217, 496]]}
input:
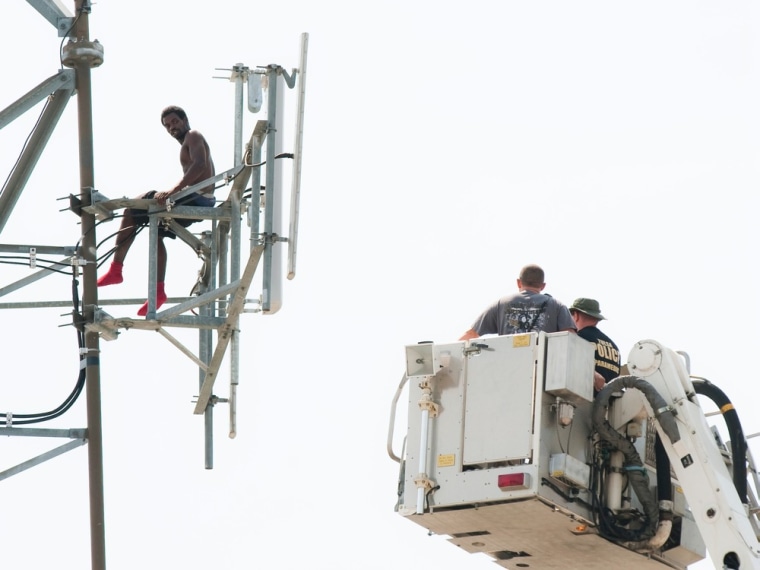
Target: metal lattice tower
{"points": [[230, 255]]}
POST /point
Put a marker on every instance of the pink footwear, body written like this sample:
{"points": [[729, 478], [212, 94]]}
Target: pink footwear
{"points": [[160, 300], [112, 276]]}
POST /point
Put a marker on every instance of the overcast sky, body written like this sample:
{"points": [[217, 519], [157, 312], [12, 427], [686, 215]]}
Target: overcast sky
{"points": [[446, 145]]}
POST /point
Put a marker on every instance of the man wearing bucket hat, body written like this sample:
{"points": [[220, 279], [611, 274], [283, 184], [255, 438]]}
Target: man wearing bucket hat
{"points": [[586, 314]]}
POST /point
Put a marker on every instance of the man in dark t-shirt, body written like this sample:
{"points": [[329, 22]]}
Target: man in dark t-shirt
{"points": [[586, 314], [528, 310]]}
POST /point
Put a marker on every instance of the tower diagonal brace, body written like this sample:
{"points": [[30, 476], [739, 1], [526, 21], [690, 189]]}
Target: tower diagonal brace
{"points": [[79, 440], [227, 329], [30, 155]]}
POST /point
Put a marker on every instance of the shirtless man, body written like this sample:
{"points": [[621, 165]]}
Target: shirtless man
{"points": [[197, 165]]}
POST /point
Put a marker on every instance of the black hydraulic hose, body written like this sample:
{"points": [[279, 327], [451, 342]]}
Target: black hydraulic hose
{"points": [[637, 475], [706, 388], [664, 486]]}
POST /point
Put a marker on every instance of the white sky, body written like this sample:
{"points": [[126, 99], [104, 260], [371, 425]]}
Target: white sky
{"points": [[446, 145]]}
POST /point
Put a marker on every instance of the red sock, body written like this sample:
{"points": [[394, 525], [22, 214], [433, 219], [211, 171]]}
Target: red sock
{"points": [[160, 300], [112, 276]]}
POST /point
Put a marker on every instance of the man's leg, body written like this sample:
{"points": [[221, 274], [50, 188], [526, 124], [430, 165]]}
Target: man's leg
{"points": [[161, 273], [124, 240], [161, 276]]}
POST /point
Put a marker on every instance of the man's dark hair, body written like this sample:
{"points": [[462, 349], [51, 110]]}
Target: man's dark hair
{"points": [[532, 276], [179, 111]]}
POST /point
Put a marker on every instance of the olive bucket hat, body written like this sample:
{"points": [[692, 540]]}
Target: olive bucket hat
{"points": [[587, 306]]}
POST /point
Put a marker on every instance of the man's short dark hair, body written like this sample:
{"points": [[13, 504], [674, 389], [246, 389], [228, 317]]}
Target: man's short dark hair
{"points": [[532, 276], [179, 111]]}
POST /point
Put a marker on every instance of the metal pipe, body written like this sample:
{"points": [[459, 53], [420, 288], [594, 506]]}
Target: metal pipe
{"points": [[208, 414], [223, 239], [426, 406], [152, 266], [392, 422], [254, 213], [233, 410], [239, 75], [204, 352], [614, 497], [422, 465], [83, 61], [235, 235]]}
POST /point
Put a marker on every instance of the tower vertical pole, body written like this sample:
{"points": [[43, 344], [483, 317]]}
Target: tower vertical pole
{"points": [[82, 55]]}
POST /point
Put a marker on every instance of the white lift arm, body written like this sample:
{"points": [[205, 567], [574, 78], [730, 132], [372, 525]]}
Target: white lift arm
{"points": [[718, 511]]}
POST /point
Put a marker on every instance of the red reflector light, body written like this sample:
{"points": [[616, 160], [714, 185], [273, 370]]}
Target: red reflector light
{"points": [[513, 480]]}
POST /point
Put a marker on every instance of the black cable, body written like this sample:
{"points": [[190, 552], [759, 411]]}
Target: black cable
{"points": [[136, 229], [427, 496], [604, 518], [27, 259], [68, 402], [277, 156], [66, 35], [26, 264]]}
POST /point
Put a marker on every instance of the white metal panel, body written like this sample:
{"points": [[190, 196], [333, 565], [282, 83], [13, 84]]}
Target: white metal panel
{"points": [[272, 291], [480, 486], [499, 401], [570, 367], [445, 446]]}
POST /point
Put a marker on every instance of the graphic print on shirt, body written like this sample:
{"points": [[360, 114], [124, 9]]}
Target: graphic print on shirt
{"points": [[519, 319]]}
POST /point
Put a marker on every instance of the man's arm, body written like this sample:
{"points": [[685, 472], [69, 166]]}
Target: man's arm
{"points": [[469, 334], [599, 381], [565, 320]]}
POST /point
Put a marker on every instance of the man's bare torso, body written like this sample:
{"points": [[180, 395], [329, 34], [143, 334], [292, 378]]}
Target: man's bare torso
{"points": [[193, 144]]}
